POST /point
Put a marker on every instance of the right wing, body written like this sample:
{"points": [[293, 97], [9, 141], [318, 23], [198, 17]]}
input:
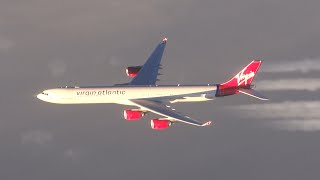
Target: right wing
{"points": [[149, 71], [161, 109]]}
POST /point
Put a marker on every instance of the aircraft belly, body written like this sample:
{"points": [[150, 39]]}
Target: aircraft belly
{"points": [[121, 94], [192, 99]]}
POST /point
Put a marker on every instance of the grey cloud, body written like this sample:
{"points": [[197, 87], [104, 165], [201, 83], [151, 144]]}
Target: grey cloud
{"points": [[304, 66], [115, 61], [72, 154], [36, 137], [289, 115], [307, 84], [57, 67], [307, 125], [5, 44], [282, 110]]}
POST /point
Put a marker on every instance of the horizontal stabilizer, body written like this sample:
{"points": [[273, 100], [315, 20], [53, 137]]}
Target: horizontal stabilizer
{"points": [[253, 93]]}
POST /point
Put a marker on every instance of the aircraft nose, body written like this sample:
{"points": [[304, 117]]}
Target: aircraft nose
{"points": [[40, 96]]}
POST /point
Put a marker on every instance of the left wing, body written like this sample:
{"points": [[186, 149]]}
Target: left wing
{"points": [[161, 109], [149, 71]]}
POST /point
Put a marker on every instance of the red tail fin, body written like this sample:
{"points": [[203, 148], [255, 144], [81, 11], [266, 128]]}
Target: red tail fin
{"points": [[244, 77], [242, 80]]}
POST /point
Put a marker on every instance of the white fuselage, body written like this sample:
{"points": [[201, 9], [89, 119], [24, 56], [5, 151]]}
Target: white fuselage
{"points": [[121, 94]]}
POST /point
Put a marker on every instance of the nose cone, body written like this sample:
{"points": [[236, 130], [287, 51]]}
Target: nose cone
{"points": [[41, 97]]}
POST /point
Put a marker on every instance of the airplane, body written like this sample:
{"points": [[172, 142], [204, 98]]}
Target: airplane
{"points": [[143, 92]]}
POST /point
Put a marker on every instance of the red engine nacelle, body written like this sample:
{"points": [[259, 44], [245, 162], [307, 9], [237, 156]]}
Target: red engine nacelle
{"points": [[160, 124], [133, 70], [132, 115]]}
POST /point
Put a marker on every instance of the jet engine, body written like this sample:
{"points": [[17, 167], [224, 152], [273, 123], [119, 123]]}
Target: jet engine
{"points": [[132, 71], [160, 124], [132, 115]]}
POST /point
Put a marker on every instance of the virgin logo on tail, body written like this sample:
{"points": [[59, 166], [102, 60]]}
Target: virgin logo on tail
{"points": [[243, 78]]}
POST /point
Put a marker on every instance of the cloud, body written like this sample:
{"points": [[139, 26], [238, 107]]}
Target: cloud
{"points": [[308, 84], [115, 61], [5, 44], [289, 115], [72, 154], [284, 110], [36, 137], [57, 68], [297, 125], [303, 66]]}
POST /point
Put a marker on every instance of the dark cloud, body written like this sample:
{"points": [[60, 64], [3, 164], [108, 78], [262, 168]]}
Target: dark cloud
{"points": [[46, 44]]}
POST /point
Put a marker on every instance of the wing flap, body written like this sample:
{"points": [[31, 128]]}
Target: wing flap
{"points": [[161, 109]]}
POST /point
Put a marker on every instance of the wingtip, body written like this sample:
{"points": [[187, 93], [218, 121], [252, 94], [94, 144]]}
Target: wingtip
{"points": [[207, 123], [257, 60], [164, 40]]}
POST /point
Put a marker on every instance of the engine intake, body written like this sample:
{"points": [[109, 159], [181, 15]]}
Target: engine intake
{"points": [[160, 124], [132, 71], [132, 115]]}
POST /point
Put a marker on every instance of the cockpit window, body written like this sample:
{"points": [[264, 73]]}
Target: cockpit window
{"points": [[44, 93]]}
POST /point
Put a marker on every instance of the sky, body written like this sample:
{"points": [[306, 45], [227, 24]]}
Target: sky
{"points": [[46, 44]]}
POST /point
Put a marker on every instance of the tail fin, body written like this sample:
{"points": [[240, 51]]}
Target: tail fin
{"points": [[241, 83], [244, 77]]}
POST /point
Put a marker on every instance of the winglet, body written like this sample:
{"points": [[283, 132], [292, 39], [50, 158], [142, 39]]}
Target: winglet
{"points": [[164, 40], [207, 123]]}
